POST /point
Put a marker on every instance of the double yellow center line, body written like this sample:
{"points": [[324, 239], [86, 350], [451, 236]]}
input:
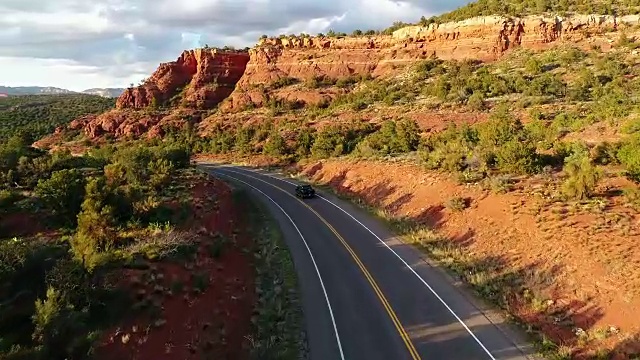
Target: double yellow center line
{"points": [[394, 318]]}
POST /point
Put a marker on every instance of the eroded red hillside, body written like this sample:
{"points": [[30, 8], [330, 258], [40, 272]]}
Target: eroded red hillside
{"points": [[200, 78], [482, 38]]}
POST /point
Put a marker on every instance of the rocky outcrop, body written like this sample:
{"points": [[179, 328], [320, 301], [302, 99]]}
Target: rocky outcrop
{"points": [[200, 78], [493, 35], [483, 38], [132, 124], [203, 78]]}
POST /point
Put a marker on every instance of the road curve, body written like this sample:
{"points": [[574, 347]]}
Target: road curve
{"points": [[366, 295]]}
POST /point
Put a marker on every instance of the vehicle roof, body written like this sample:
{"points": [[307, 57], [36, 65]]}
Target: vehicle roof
{"points": [[304, 186]]}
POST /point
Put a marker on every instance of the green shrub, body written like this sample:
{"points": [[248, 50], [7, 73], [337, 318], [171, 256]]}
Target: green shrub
{"points": [[563, 149], [427, 68], [275, 145], [583, 86], [606, 153], [329, 142], [135, 160], [346, 81], [178, 156], [632, 126], [457, 204], [450, 149], [96, 233], [518, 157], [469, 176], [408, 135], [582, 176], [629, 156], [611, 105], [23, 265], [8, 198], [63, 193], [392, 137], [160, 171], [99, 157], [243, 138], [540, 133], [59, 327], [632, 195], [501, 129], [305, 139], [533, 66], [284, 82], [571, 56], [476, 101], [546, 85], [500, 184]]}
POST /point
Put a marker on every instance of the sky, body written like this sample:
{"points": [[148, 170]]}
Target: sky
{"points": [[80, 44]]}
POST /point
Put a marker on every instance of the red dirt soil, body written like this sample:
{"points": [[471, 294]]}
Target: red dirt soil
{"points": [[210, 325], [583, 264]]}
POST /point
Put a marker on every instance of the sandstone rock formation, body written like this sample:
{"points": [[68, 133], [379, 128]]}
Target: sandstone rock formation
{"points": [[200, 78], [126, 123], [483, 38], [531, 31]]}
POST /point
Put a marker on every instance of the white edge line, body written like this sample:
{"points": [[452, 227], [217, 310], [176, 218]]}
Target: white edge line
{"points": [[398, 256], [324, 290]]}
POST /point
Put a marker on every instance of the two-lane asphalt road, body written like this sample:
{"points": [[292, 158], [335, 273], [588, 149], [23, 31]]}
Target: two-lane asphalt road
{"points": [[366, 295]]}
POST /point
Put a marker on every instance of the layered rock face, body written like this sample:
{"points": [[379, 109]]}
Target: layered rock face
{"points": [[487, 37], [480, 38], [203, 78], [125, 123], [200, 78]]}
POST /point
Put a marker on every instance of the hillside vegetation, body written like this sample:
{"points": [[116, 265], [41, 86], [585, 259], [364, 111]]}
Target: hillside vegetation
{"points": [[39, 115], [560, 124], [535, 154], [98, 251], [536, 102], [532, 7]]}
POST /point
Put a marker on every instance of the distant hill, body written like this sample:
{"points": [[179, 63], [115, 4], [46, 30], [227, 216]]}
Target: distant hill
{"points": [[105, 92], [33, 90], [48, 90], [40, 115]]}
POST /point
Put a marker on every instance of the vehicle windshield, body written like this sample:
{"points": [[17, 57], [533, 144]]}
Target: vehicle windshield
{"points": [[305, 187]]}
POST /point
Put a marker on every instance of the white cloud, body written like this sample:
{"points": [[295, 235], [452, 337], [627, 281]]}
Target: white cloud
{"points": [[65, 73], [77, 43]]}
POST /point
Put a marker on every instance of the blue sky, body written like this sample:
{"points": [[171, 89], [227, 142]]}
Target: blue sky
{"points": [[80, 44]]}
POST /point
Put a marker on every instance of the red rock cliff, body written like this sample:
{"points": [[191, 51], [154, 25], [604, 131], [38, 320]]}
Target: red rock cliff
{"points": [[200, 78], [482, 38]]}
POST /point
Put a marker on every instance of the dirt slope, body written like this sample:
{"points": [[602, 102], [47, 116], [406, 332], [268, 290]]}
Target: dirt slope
{"points": [[580, 263]]}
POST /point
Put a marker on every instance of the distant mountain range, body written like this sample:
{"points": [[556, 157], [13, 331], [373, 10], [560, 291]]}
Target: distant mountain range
{"points": [[38, 90]]}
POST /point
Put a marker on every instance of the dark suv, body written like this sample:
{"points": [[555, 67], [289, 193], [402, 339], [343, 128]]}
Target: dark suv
{"points": [[305, 191]]}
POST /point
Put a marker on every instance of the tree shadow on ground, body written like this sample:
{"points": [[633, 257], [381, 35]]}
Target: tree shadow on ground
{"points": [[629, 348], [519, 291], [376, 194], [373, 195], [433, 216]]}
